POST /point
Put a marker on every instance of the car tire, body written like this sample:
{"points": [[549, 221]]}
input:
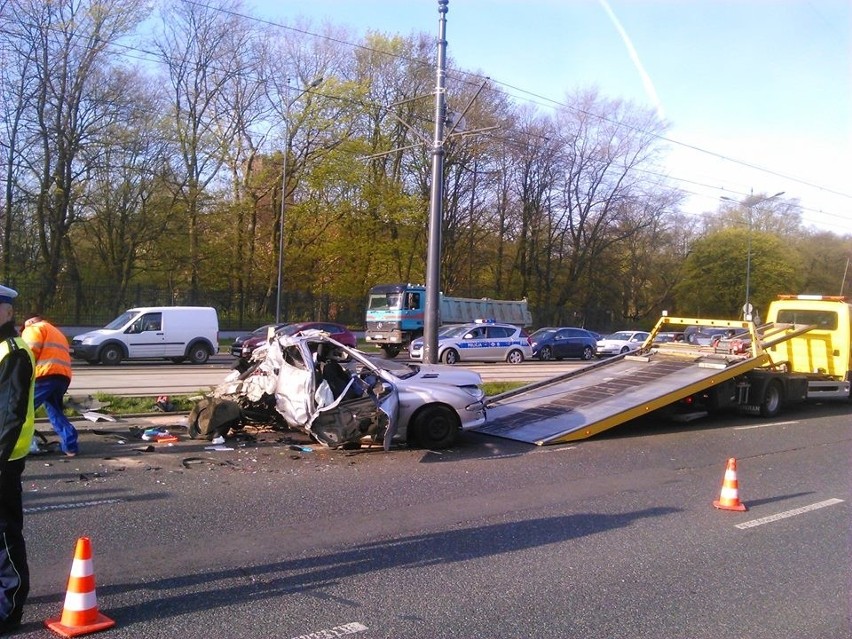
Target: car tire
{"points": [[588, 353], [198, 354], [111, 355], [435, 427], [624, 350], [450, 356], [545, 354], [514, 357]]}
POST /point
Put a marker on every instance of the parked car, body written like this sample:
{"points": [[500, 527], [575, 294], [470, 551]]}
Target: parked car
{"points": [[257, 335], [337, 332], [664, 337], [177, 333], [481, 341], [703, 335], [340, 395], [558, 343], [621, 342]]}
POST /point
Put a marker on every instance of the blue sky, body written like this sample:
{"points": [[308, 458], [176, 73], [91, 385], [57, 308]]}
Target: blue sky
{"points": [[758, 92]]}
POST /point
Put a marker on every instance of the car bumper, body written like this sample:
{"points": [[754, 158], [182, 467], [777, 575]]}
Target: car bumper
{"points": [[84, 351]]}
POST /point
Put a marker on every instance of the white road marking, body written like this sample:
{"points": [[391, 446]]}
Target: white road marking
{"points": [[764, 425], [82, 504], [788, 513], [338, 631]]}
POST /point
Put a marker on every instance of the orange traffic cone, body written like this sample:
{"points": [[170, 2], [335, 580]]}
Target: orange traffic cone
{"points": [[729, 499], [80, 614]]}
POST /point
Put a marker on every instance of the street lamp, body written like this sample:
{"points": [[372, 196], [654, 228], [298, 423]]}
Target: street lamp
{"points": [[287, 107], [750, 202]]}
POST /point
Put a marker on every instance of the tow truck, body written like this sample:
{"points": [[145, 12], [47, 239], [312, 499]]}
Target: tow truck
{"points": [[803, 352]]}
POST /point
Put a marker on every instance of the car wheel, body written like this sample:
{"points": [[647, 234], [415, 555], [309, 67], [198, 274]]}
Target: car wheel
{"points": [[588, 353], [545, 354], [624, 349], [770, 406], [435, 427], [515, 357], [198, 354], [111, 355], [450, 356]]}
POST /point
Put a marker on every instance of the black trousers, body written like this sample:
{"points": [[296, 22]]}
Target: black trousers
{"points": [[14, 572]]}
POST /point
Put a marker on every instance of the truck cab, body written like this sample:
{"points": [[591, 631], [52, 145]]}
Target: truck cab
{"points": [[824, 353]]}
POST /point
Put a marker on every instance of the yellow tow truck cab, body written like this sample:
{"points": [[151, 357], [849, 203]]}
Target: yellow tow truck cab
{"points": [[823, 353]]}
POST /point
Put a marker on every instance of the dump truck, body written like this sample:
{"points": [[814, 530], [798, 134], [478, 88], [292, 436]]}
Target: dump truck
{"points": [[396, 314], [803, 352]]}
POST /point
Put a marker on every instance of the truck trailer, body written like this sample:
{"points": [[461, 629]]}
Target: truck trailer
{"points": [[396, 314], [803, 352]]}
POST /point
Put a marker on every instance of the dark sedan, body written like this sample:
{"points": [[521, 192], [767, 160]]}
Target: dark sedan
{"points": [[255, 337], [337, 332], [562, 342]]}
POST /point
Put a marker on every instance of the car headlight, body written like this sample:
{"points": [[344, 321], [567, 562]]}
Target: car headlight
{"points": [[474, 391]]}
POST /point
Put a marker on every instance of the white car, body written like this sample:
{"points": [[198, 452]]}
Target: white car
{"points": [[621, 342], [481, 341], [339, 395]]}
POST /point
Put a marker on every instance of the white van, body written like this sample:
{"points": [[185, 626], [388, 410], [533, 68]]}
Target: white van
{"points": [[178, 333]]}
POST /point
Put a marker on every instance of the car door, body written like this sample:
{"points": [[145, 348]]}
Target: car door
{"points": [[564, 344], [145, 336], [499, 339], [473, 345]]}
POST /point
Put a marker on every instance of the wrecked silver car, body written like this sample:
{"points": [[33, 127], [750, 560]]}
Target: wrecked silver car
{"points": [[340, 396]]}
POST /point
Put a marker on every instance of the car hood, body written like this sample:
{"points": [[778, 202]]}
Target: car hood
{"points": [[440, 373]]}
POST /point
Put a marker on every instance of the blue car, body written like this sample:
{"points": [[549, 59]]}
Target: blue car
{"points": [[563, 342]]}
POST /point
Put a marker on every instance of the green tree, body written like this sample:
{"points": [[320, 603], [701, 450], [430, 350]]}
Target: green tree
{"points": [[714, 275]]}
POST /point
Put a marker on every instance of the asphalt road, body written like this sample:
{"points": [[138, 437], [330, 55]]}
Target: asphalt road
{"points": [[612, 537]]}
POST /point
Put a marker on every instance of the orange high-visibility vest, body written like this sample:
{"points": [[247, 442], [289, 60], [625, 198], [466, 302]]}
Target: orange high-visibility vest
{"points": [[50, 347]]}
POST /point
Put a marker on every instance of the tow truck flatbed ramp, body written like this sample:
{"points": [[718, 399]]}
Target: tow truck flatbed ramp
{"points": [[587, 401], [604, 395]]}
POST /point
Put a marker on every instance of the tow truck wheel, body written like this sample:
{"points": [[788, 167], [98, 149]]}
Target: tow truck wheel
{"points": [[450, 356], [436, 427], [545, 354], [771, 404]]}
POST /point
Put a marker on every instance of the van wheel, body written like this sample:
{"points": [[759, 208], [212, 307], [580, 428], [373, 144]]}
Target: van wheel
{"points": [[435, 427], [771, 404], [111, 355], [198, 354]]}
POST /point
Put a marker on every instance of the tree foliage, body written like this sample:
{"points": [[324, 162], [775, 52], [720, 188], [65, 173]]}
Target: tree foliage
{"points": [[177, 166]]}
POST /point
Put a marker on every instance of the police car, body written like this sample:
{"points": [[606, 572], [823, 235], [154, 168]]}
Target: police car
{"points": [[481, 341]]}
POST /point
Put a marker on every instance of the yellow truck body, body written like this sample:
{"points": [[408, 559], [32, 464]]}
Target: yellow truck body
{"points": [[824, 351]]}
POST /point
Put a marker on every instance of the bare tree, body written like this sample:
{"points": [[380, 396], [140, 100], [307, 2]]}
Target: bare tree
{"points": [[200, 46]]}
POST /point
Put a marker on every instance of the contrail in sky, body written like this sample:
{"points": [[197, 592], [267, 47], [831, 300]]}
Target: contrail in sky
{"points": [[646, 79]]}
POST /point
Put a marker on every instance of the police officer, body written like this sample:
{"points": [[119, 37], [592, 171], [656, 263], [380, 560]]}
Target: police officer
{"points": [[17, 379]]}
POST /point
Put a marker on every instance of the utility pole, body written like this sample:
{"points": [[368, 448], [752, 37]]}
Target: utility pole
{"points": [[432, 308]]}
